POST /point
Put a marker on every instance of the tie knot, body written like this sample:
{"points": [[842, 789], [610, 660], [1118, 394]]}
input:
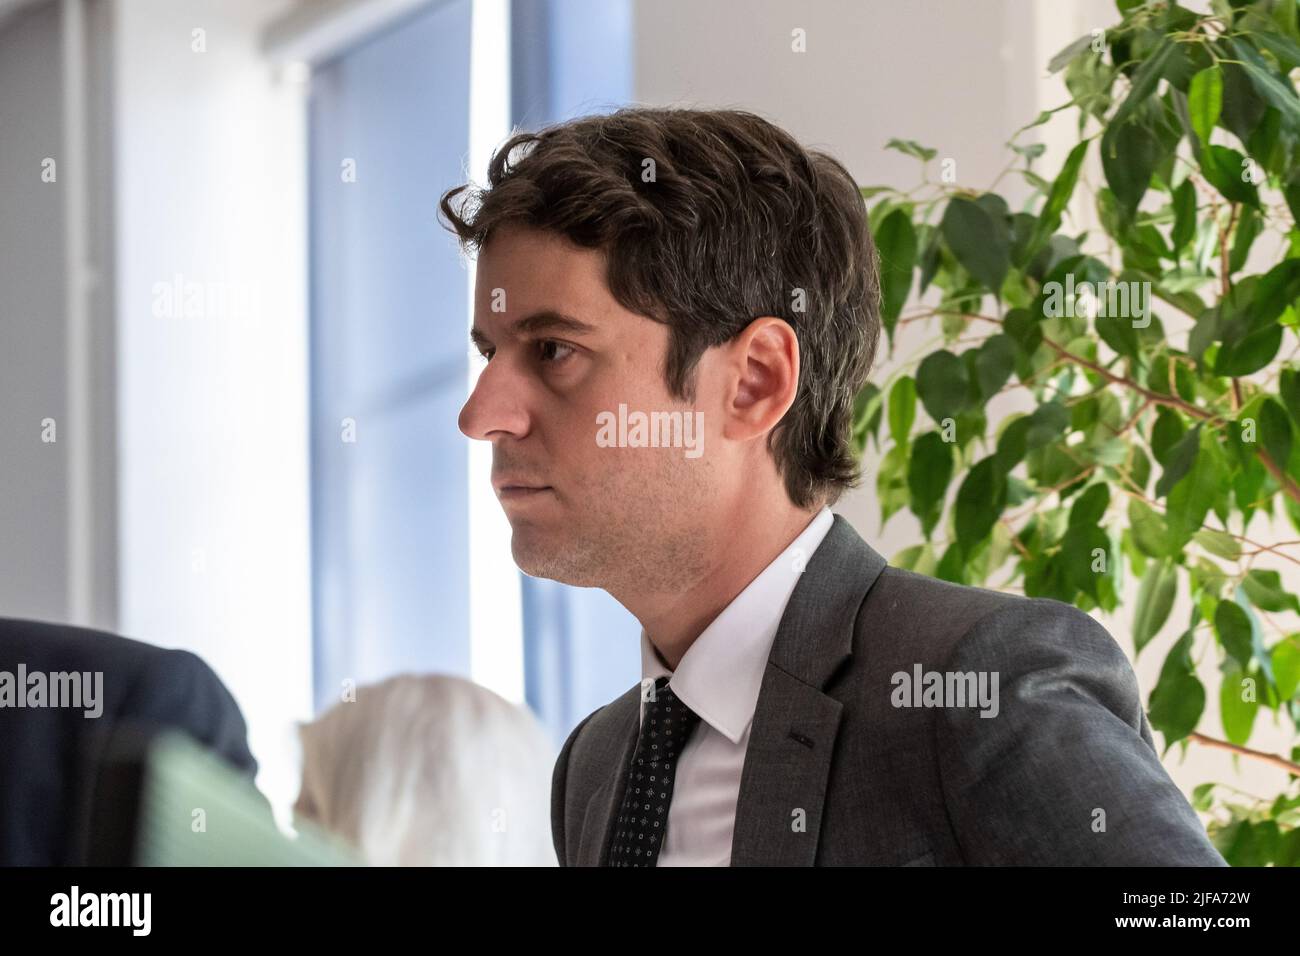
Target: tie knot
{"points": [[667, 719]]}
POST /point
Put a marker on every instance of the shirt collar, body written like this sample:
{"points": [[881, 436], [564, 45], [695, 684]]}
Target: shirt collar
{"points": [[721, 673]]}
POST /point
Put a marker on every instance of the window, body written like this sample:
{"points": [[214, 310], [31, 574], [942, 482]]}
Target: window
{"points": [[389, 126], [390, 131]]}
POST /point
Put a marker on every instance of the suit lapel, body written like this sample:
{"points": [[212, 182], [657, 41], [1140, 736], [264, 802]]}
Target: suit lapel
{"points": [[792, 738], [602, 808], [788, 760]]}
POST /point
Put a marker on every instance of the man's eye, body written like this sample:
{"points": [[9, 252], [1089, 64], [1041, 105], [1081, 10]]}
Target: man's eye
{"points": [[546, 346]]}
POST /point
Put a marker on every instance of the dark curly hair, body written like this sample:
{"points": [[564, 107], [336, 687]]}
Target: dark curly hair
{"points": [[709, 219]]}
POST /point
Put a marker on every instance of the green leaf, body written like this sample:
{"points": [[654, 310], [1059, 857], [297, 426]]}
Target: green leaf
{"points": [[1274, 292], [1264, 588], [1275, 431], [1233, 628], [931, 256], [1145, 80], [902, 409], [1179, 698], [1218, 543], [1284, 15], [1154, 602], [1209, 579], [1047, 423], [1148, 528], [1242, 107], [1184, 202], [1249, 226], [1120, 334], [994, 363], [1049, 220], [1289, 389], [979, 503], [891, 482], [951, 566], [942, 384], [1011, 446], [1130, 153], [927, 477], [1202, 799], [912, 148], [1224, 168], [1205, 101], [1180, 459], [1256, 630], [1281, 46], [1168, 431], [1238, 704], [1089, 80], [1250, 354], [866, 415], [981, 245], [1023, 329], [1286, 666], [918, 558], [896, 242], [1191, 498], [1058, 62], [1090, 507], [1291, 192], [1085, 558], [1276, 92]]}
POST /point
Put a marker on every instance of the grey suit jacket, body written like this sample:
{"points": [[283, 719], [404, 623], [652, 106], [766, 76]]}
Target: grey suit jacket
{"points": [[839, 773]]}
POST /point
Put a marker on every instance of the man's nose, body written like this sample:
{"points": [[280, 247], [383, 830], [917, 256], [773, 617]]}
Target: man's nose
{"points": [[495, 406]]}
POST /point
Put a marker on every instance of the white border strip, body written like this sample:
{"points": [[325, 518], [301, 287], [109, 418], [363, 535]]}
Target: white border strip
{"points": [[495, 599], [78, 418]]}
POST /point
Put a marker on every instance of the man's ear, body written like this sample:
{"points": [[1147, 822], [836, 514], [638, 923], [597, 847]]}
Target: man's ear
{"points": [[763, 362]]}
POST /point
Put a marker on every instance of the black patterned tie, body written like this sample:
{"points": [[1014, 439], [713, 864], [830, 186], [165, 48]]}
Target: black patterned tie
{"points": [[643, 818]]}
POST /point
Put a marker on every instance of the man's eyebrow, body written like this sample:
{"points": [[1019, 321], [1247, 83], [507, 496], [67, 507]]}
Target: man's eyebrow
{"points": [[548, 320]]}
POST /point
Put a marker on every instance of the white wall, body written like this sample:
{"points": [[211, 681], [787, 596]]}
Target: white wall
{"points": [[213, 406], [33, 519], [58, 511]]}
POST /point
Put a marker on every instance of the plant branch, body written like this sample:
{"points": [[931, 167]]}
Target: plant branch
{"points": [[1274, 759]]}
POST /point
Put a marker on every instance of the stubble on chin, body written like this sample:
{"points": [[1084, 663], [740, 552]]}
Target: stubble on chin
{"points": [[632, 556], [651, 543]]}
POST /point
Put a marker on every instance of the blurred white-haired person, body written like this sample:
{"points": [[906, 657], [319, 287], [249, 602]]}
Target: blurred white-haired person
{"points": [[430, 770]]}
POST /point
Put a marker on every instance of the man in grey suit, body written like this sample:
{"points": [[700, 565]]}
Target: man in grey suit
{"points": [[677, 308]]}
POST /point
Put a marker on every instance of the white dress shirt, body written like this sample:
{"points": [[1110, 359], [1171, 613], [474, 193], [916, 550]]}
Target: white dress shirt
{"points": [[719, 678]]}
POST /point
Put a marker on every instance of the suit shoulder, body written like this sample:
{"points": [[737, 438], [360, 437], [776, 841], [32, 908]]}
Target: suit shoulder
{"points": [[925, 614], [177, 688], [933, 617], [1038, 633], [910, 592]]}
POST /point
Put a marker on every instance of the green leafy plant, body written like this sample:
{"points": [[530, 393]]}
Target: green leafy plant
{"points": [[1148, 452]]}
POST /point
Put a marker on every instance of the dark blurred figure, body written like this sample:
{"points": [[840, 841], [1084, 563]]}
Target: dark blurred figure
{"points": [[49, 753]]}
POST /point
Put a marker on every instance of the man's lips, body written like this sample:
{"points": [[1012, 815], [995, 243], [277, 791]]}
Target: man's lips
{"points": [[521, 494], [518, 489]]}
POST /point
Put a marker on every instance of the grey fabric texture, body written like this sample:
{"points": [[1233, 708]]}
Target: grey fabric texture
{"points": [[1065, 773]]}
